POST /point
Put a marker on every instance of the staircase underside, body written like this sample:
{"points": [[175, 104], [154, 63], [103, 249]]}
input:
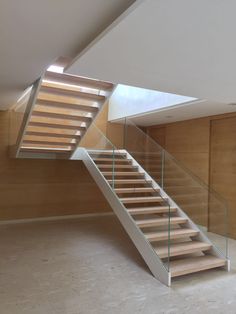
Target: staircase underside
{"points": [[64, 108]]}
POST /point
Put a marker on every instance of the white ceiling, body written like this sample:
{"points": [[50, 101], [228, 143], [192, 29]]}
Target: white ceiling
{"points": [[183, 112], [185, 47], [33, 33]]}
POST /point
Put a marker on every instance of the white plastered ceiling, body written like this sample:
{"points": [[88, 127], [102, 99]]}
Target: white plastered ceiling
{"points": [[34, 33], [185, 47], [197, 109]]}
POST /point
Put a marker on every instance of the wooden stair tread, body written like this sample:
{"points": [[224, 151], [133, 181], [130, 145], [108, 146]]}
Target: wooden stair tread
{"points": [[63, 105], [173, 234], [151, 210], [109, 152], [130, 181], [57, 126], [195, 264], [61, 116], [112, 160], [160, 221], [47, 143], [144, 199], [60, 91], [44, 150], [81, 81], [48, 134], [136, 190], [71, 88], [122, 173], [182, 248], [117, 166]]}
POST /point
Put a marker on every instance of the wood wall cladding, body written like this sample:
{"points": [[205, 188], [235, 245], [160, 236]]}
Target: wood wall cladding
{"points": [[188, 141], [158, 134], [223, 173], [31, 188], [207, 147]]}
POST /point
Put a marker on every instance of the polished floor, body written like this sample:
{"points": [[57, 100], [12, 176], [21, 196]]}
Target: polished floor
{"points": [[89, 266]]}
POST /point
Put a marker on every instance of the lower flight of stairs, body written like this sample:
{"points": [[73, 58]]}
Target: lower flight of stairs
{"points": [[177, 242]]}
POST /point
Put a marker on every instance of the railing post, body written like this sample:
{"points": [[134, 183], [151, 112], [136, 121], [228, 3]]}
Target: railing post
{"points": [[162, 168], [124, 135], [113, 169]]}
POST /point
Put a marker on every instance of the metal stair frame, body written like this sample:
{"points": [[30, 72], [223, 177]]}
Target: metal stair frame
{"points": [[144, 247]]}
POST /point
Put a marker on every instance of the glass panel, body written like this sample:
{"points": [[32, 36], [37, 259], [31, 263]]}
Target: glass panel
{"points": [[147, 153], [145, 203], [205, 208], [138, 196], [16, 116], [101, 150]]}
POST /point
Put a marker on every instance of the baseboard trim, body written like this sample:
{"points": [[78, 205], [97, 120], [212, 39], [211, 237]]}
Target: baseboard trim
{"points": [[54, 218]]}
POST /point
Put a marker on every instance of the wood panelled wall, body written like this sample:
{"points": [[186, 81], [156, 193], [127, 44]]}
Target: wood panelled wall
{"points": [[31, 188], [223, 168], [188, 141], [207, 146]]}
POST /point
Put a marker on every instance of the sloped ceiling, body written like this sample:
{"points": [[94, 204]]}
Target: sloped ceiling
{"points": [[33, 33]]}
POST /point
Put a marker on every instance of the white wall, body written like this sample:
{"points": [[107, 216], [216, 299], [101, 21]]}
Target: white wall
{"points": [[128, 101]]}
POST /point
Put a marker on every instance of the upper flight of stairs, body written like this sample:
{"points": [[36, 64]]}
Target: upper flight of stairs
{"points": [[63, 109], [178, 243]]}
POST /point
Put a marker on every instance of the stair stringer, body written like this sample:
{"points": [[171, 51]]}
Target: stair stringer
{"points": [[190, 224], [152, 260]]}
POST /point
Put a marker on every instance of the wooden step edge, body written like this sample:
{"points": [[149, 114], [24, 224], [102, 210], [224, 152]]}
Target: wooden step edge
{"points": [[151, 210], [63, 105], [108, 153], [60, 116], [111, 160], [48, 134], [173, 234], [130, 181], [116, 166], [56, 126], [26, 149], [136, 190], [71, 93], [160, 222], [182, 248], [120, 173], [47, 143], [151, 199], [77, 80], [195, 264]]}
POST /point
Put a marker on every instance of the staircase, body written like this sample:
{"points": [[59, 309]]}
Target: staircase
{"points": [[170, 243], [147, 190], [61, 108]]}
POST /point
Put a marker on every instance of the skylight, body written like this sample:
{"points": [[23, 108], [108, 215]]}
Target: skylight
{"points": [[55, 68]]}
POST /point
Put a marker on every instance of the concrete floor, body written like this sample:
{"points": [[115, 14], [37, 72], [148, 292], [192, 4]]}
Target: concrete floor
{"points": [[90, 266]]}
